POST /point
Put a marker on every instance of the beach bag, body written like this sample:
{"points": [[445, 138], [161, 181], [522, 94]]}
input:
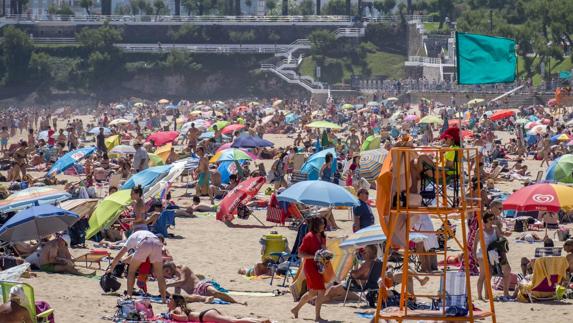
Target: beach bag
{"points": [[77, 232], [109, 283], [498, 282], [243, 212], [41, 307]]}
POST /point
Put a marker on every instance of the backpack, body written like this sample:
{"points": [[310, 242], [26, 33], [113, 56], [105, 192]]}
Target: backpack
{"points": [[109, 283]]}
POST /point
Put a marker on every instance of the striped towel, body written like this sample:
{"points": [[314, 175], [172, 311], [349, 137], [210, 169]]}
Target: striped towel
{"points": [[455, 289], [548, 252]]}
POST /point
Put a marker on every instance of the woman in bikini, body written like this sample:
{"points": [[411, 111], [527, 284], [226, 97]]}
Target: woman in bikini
{"points": [[139, 221], [179, 312]]}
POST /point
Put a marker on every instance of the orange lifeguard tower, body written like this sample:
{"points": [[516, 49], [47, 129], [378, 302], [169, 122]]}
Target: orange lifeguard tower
{"points": [[448, 172]]}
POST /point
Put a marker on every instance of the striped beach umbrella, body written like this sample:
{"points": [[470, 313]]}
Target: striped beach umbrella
{"points": [[33, 196], [561, 169], [371, 163]]}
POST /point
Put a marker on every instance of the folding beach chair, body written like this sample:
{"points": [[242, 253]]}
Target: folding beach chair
{"points": [[456, 295], [371, 284], [164, 221], [548, 273], [5, 287], [92, 257]]}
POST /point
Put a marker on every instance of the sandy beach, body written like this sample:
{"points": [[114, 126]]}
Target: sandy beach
{"points": [[212, 249]]}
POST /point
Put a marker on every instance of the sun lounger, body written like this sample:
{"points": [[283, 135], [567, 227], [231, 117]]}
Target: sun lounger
{"points": [[94, 256]]}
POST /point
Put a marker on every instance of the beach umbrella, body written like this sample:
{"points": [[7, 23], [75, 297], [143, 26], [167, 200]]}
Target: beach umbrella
{"points": [[95, 131], [112, 141], [170, 107], [561, 137], [540, 197], [546, 121], [138, 104], [411, 117], [164, 151], [224, 146], [231, 154], [155, 160], [501, 114], [123, 150], [230, 129], [269, 111], [373, 104], [392, 98], [313, 164], [318, 193], [431, 119], [277, 103], [537, 130], [200, 124], [467, 134], [347, 106], [160, 138], [164, 183], [119, 106], [207, 135], [118, 121], [323, 124], [163, 101], [371, 142], [37, 222], [291, 118], [373, 235], [43, 135], [219, 124], [247, 141], [146, 177], [371, 163], [196, 113], [561, 169], [82, 207], [241, 194], [70, 159], [475, 101], [33, 196], [107, 211], [241, 109], [253, 103], [266, 119]]}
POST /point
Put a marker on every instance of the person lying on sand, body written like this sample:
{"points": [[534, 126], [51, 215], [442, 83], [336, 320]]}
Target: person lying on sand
{"points": [[179, 312], [196, 206], [191, 284], [15, 310], [259, 269]]}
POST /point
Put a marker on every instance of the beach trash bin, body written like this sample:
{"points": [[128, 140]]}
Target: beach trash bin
{"points": [[272, 243]]}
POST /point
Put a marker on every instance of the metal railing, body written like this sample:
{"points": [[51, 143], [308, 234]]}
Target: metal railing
{"points": [[206, 49], [182, 19], [54, 40], [396, 18], [349, 32], [424, 59]]}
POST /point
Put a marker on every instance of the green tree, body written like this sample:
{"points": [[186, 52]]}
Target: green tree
{"points": [[134, 5], [86, 4], [158, 5], [17, 51], [274, 38], [335, 7], [242, 37], [180, 61], [271, 5], [306, 7], [322, 41], [102, 38]]}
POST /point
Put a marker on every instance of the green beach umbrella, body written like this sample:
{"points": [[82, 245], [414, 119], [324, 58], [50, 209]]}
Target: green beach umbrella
{"points": [[371, 142], [323, 124], [155, 160], [561, 169], [347, 106], [220, 125], [107, 212], [431, 119]]}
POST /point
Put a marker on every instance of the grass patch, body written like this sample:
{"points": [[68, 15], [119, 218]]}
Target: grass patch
{"points": [[556, 67]]}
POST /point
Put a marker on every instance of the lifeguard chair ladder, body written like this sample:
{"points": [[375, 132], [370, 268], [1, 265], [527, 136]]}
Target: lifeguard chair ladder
{"points": [[448, 205]]}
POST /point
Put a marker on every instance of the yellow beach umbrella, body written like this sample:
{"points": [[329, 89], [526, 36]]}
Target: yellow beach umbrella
{"points": [[163, 151], [155, 160], [112, 141]]}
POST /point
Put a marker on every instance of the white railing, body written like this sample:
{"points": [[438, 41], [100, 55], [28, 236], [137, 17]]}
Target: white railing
{"points": [[396, 18], [349, 32], [188, 19], [54, 40], [195, 48], [423, 59]]}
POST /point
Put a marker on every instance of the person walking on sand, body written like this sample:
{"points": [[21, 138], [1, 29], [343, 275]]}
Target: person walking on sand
{"points": [[312, 242], [203, 175]]}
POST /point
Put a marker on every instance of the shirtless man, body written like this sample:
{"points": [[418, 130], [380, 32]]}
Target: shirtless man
{"points": [[4, 135], [15, 310], [568, 247], [198, 207], [192, 285], [192, 136], [216, 183], [203, 175], [54, 257]]}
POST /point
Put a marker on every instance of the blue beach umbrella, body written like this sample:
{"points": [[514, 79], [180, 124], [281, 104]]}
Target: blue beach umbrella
{"points": [[70, 159], [313, 164], [171, 107], [247, 141], [291, 118], [95, 131], [561, 170], [147, 177], [319, 193], [372, 235], [37, 222]]}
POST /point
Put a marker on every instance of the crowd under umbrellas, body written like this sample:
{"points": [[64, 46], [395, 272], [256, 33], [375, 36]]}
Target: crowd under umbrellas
{"points": [[119, 175]]}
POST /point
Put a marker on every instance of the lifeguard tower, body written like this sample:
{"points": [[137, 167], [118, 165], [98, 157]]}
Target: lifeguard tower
{"points": [[444, 177]]}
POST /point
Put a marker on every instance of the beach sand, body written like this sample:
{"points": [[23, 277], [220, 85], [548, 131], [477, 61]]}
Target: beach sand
{"points": [[216, 251]]}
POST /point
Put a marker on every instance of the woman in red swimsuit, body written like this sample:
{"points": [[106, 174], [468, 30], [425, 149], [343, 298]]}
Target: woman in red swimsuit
{"points": [[313, 241]]}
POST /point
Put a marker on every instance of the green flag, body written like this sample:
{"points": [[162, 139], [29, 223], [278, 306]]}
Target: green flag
{"points": [[485, 59]]}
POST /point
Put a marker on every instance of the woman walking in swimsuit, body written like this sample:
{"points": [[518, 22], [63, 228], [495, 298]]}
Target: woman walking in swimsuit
{"points": [[179, 312]]}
